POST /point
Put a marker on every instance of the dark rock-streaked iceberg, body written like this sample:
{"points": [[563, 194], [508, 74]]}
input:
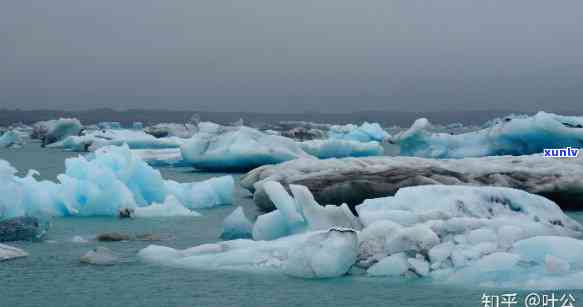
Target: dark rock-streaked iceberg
{"points": [[352, 180]]}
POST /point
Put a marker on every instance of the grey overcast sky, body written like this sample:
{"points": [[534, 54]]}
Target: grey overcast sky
{"points": [[294, 55]]}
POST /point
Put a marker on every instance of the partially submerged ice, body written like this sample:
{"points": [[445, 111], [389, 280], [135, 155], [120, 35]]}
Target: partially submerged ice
{"points": [[237, 226], [299, 214], [104, 183], [11, 139], [494, 237], [56, 130], [99, 256], [352, 180], [134, 139], [9, 252], [366, 132], [320, 254], [513, 135], [219, 148], [490, 236], [240, 148]]}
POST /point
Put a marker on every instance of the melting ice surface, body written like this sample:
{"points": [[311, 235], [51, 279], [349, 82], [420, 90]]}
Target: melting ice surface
{"points": [[219, 148], [109, 180], [364, 133], [510, 136], [487, 236]]}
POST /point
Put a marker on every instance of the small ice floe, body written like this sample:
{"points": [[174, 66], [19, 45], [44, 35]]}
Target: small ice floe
{"points": [[8, 252], [100, 256]]}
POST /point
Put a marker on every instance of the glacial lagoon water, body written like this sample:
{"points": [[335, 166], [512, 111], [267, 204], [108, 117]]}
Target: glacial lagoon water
{"points": [[53, 276]]}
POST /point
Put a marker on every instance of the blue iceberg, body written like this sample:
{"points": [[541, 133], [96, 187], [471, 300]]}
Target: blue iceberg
{"points": [[11, 139], [236, 226], [366, 132], [513, 135], [104, 183], [219, 148], [240, 148]]}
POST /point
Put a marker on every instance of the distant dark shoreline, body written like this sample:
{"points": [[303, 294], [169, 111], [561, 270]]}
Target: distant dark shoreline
{"points": [[126, 117]]}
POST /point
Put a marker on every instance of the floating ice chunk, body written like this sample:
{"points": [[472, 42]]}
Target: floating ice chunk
{"points": [[170, 207], [510, 136], [217, 191], [498, 205], [311, 255], [352, 180], [325, 149], [481, 235], [8, 252], [102, 184], [135, 139], [364, 133], [79, 240], [299, 214], [56, 130], [100, 256], [217, 148], [11, 139], [393, 265], [237, 226]]}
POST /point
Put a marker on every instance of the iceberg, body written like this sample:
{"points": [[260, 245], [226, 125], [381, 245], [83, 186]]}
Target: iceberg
{"points": [[237, 226], [109, 180], [325, 149], [8, 252], [240, 148], [491, 236], [366, 132], [321, 254], [299, 214], [11, 139], [352, 180], [163, 130], [135, 139], [513, 135], [487, 236], [218, 148], [56, 130]]}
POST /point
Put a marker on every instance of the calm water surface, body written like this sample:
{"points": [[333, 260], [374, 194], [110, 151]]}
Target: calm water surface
{"points": [[53, 276]]}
